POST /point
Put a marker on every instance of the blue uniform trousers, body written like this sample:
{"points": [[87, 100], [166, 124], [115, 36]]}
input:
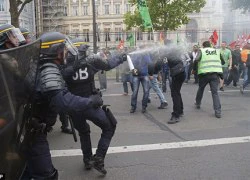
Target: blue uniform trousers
{"points": [[99, 118]]}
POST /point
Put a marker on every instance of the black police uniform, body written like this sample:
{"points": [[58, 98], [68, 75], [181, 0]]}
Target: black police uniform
{"points": [[81, 82], [51, 97]]}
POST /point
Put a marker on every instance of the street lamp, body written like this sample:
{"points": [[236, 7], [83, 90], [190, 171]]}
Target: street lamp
{"points": [[94, 28]]}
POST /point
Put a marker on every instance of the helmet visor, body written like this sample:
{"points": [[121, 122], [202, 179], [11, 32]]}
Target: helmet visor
{"points": [[15, 36], [70, 47]]}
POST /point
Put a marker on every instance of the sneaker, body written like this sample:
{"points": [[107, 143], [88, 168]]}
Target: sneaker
{"points": [[132, 110], [182, 114], [125, 94], [163, 105], [67, 130], [88, 163], [143, 109], [221, 89], [241, 89], [173, 120], [218, 115], [197, 106], [99, 164]]}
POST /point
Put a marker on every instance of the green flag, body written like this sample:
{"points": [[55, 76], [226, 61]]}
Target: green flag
{"points": [[142, 6], [131, 39]]}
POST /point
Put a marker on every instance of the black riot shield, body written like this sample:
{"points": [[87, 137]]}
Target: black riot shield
{"points": [[17, 76]]}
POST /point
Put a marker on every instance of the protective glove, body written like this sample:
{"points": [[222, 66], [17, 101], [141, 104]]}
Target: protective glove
{"points": [[135, 72], [96, 100], [124, 57]]}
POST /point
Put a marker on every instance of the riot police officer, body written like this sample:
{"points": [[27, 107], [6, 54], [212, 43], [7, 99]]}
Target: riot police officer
{"points": [[50, 98], [10, 37], [80, 81], [26, 34]]}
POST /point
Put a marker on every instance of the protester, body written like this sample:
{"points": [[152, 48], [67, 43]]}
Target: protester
{"points": [[176, 60], [193, 68], [209, 70], [234, 72], [126, 78], [154, 72], [140, 62], [227, 56]]}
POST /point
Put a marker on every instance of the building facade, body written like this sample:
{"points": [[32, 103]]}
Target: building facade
{"points": [[27, 17], [74, 18]]}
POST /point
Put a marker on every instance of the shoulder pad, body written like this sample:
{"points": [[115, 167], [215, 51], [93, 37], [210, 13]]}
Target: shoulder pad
{"points": [[50, 78]]}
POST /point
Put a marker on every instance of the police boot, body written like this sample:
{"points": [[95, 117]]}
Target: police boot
{"points": [[88, 163], [99, 164], [53, 176], [66, 130]]}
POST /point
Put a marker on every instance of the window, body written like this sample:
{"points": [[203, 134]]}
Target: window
{"points": [[128, 7], [106, 9], [107, 34], [85, 10], [75, 33], [150, 36], [118, 34], [213, 3], [75, 11], [139, 36], [86, 35], [65, 11], [117, 9], [2, 5]]}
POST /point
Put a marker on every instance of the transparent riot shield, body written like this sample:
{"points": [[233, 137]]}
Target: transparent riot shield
{"points": [[17, 76]]}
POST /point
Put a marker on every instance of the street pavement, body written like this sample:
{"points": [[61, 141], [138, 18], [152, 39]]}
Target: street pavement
{"points": [[199, 147]]}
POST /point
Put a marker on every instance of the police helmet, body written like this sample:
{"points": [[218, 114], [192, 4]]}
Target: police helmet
{"points": [[82, 47], [54, 43], [80, 44], [26, 34], [24, 31], [8, 33]]}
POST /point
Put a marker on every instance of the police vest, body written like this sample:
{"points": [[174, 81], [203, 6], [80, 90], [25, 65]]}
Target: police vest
{"points": [[210, 61], [82, 82]]}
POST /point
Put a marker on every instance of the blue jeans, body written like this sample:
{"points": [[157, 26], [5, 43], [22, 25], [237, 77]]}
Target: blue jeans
{"points": [[127, 78], [187, 71], [245, 72], [136, 84], [246, 77], [156, 88]]}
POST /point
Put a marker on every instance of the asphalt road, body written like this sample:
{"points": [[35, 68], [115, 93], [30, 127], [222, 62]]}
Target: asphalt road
{"points": [[172, 151]]}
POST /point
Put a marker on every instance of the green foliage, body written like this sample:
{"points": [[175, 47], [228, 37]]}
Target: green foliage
{"points": [[241, 4], [165, 14]]}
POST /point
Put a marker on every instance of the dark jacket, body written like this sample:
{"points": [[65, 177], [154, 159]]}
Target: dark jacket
{"points": [[155, 68]]}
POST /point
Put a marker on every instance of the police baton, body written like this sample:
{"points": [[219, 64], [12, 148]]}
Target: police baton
{"points": [[72, 128]]}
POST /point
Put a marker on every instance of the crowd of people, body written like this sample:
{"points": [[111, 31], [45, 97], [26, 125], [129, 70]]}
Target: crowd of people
{"points": [[234, 64]]}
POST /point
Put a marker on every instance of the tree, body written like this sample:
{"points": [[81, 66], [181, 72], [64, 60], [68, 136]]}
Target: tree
{"points": [[165, 14], [241, 4], [16, 7]]}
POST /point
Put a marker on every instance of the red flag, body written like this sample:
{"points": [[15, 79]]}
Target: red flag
{"points": [[233, 44], [215, 36]]}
